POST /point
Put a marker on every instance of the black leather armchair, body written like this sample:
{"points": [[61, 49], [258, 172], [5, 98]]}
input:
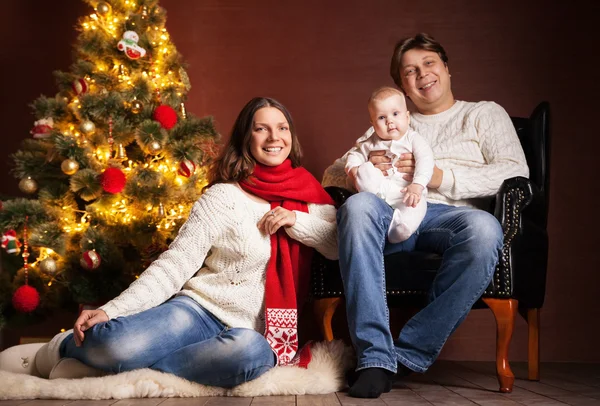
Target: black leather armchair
{"points": [[519, 281]]}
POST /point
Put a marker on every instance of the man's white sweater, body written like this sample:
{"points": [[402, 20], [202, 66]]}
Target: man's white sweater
{"points": [[476, 146], [219, 258]]}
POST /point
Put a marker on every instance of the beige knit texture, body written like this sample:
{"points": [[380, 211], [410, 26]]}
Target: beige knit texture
{"points": [[219, 258]]}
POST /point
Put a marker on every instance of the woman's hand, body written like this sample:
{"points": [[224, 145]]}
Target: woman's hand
{"points": [[86, 320], [276, 218]]}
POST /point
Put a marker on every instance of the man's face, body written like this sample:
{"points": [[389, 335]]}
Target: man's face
{"points": [[426, 81]]}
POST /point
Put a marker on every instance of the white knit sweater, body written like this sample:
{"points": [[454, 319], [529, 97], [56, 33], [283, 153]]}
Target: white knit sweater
{"points": [[476, 146], [219, 258]]}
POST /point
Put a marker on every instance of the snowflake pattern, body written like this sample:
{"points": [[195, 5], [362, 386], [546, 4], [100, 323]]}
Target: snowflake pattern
{"points": [[282, 333]]}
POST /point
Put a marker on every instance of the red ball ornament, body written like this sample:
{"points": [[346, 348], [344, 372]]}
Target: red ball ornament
{"points": [[26, 299], [90, 260], [79, 86], [166, 116], [186, 168], [113, 180]]}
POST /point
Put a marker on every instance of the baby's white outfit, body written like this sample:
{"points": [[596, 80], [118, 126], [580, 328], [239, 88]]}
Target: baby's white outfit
{"points": [[406, 219]]}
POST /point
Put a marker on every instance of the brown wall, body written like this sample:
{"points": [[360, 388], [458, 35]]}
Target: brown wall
{"points": [[322, 59]]}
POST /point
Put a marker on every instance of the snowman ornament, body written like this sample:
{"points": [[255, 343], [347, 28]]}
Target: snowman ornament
{"points": [[129, 44]]}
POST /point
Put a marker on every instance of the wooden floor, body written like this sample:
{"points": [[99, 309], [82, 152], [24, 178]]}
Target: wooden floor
{"points": [[446, 383]]}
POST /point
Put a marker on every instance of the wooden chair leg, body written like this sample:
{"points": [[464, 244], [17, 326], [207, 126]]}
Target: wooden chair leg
{"points": [[533, 324], [324, 310], [505, 311]]}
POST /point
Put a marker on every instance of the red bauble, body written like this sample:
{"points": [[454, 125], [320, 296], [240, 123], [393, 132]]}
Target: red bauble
{"points": [[113, 180], [26, 299], [166, 116], [186, 168], [90, 260]]}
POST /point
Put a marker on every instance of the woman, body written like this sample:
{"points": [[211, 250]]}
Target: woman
{"points": [[475, 148], [238, 269]]}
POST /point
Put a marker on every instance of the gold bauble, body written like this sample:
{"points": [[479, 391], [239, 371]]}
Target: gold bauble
{"points": [[28, 185], [69, 166], [87, 127], [48, 265], [103, 8], [136, 106], [155, 147]]}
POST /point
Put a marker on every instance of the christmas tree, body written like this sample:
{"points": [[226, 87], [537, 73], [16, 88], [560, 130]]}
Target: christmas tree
{"points": [[113, 165]]}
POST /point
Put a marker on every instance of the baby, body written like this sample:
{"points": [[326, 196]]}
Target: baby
{"points": [[390, 119]]}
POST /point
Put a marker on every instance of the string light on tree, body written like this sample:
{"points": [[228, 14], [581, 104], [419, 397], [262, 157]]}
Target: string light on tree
{"points": [[122, 187]]}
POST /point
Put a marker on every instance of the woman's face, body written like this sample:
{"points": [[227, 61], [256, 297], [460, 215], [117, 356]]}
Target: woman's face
{"points": [[271, 140], [426, 81]]}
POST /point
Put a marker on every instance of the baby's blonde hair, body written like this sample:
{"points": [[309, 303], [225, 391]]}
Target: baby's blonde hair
{"points": [[384, 92]]}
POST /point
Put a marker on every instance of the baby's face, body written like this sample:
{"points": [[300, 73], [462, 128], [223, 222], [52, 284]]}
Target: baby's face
{"points": [[389, 117]]}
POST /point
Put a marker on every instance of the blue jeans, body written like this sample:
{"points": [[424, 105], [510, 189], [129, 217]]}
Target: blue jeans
{"points": [[179, 337], [469, 241]]}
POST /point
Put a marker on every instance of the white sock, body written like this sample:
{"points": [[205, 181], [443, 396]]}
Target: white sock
{"points": [[399, 231]]}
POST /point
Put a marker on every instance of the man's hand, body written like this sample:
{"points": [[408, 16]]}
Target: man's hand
{"points": [[406, 165], [86, 320]]}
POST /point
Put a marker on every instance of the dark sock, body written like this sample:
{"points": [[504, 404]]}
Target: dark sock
{"points": [[371, 383], [403, 371]]}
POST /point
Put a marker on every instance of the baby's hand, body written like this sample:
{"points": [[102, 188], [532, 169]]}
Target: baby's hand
{"points": [[412, 194]]}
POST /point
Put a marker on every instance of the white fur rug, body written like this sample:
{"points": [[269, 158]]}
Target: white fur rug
{"points": [[325, 374]]}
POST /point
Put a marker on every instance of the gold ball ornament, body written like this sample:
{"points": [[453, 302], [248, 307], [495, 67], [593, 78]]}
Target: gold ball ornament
{"points": [[48, 265], [87, 127], [69, 166], [136, 107], [28, 185], [154, 147], [103, 8]]}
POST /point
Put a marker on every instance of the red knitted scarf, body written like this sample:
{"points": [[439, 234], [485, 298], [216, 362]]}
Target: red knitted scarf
{"points": [[288, 270]]}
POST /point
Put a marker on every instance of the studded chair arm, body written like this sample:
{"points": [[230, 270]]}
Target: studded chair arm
{"points": [[514, 196]]}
